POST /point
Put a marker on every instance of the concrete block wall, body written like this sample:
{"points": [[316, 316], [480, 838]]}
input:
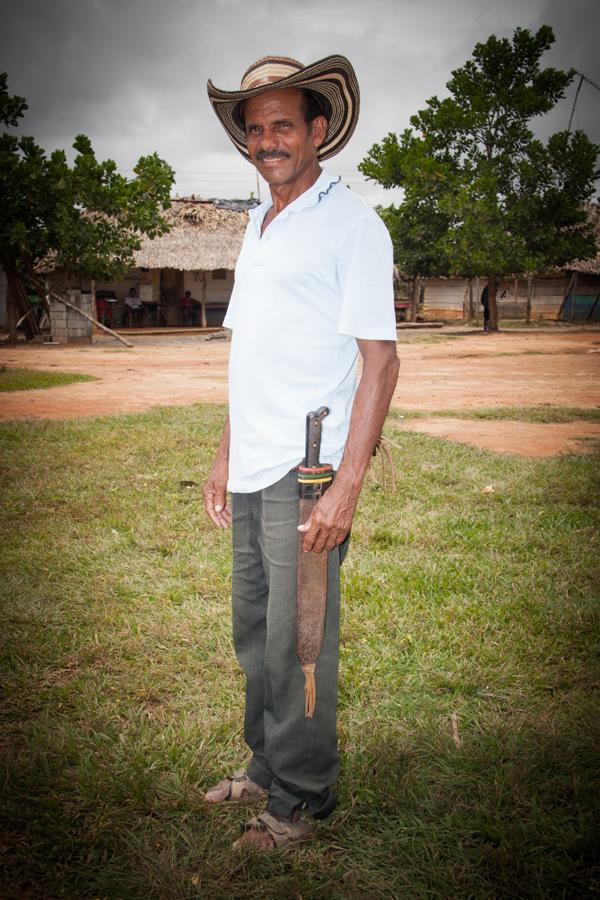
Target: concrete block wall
{"points": [[66, 325]]}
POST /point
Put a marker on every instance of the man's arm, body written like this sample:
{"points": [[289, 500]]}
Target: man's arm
{"points": [[215, 489], [331, 519]]}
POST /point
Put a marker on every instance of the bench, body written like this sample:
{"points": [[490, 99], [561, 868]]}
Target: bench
{"points": [[400, 306]]}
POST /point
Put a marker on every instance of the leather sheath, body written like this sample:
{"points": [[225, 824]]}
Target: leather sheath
{"points": [[312, 595]]}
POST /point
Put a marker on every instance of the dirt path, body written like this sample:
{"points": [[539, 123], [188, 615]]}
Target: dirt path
{"points": [[438, 371], [504, 436]]}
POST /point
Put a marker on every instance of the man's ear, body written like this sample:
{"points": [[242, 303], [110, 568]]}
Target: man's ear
{"points": [[319, 130]]}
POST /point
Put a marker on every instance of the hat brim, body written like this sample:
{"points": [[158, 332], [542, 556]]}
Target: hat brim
{"points": [[332, 77]]}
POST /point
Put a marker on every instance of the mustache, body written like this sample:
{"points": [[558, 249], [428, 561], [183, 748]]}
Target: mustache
{"points": [[271, 154]]}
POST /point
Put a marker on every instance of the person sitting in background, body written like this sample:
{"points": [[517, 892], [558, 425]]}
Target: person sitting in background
{"points": [[188, 308], [104, 310], [133, 308]]}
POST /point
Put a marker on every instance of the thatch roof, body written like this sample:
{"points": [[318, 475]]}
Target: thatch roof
{"points": [[589, 266], [205, 234]]}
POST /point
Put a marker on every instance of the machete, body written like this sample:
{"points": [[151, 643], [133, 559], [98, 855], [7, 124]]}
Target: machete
{"points": [[311, 604]]}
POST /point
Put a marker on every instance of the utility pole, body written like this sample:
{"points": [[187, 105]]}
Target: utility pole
{"points": [[582, 78]]}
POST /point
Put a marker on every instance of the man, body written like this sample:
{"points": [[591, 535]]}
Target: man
{"points": [[134, 308], [486, 308], [313, 288], [188, 308]]}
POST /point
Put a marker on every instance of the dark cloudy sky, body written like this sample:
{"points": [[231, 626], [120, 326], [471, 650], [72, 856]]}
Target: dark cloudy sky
{"points": [[132, 73]]}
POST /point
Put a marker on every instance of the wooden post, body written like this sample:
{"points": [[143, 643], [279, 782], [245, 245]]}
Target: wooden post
{"points": [[573, 299], [493, 306], [94, 307], [565, 295], [203, 301], [594, 305]]}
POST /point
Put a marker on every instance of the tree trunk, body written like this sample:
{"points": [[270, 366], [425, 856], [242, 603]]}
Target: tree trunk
{"points": [[11, 306], [18, 308], [529, 299], [416, 290], [468, 302], [493, 306]]}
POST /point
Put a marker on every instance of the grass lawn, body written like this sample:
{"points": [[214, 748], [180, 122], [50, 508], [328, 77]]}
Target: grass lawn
{"points": [[123, 701], [545, 413], [17, 379]]}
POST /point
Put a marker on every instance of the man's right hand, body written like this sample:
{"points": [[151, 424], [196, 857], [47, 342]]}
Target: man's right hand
{"points": [[215, 496]]}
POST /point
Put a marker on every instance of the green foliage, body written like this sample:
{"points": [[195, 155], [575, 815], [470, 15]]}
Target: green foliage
{"points": [[84, 217], [18, 379], [482, 194], [543, 414]]}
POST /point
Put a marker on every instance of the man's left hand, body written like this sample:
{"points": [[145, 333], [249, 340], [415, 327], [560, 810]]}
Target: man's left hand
{"points": [[330, 520]]}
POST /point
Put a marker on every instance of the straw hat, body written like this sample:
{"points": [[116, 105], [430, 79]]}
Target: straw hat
{"points": [[331, 80]]}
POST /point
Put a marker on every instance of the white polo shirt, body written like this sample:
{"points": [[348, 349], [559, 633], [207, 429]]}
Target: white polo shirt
{"points": [[320, 276]]}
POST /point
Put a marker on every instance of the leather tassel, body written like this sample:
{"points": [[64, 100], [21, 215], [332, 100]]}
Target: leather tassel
{"points": [[310, 690]]}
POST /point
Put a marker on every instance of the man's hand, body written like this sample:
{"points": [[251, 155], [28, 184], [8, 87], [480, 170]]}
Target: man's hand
{"points": [[215, 489], [330, 521], [215, 497], [331, 518]]}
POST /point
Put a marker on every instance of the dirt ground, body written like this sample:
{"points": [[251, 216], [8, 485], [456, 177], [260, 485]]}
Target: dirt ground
{"points": [[451, 369]]}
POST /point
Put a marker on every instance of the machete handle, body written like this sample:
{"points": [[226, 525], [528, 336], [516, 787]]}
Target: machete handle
{"points": [[313, 477], [313, 436]]}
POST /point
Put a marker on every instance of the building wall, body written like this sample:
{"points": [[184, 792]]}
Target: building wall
{"points": [[218, 290], [66, 325], [448, 298], [444, 298], [548, 293], [216, 295]]}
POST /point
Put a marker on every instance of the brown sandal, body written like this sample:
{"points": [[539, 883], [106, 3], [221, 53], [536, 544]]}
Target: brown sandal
{"points": [[281, 833], [239, 788]]}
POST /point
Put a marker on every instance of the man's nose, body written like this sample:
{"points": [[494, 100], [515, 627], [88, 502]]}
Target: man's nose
{"points": [[269, 139]]}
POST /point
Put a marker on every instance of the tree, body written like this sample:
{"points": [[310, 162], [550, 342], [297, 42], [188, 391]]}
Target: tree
{"points": [[483, 196], [84, 218]]}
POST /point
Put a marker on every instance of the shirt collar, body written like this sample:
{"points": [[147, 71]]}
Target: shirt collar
{"points": [[310, 197]]}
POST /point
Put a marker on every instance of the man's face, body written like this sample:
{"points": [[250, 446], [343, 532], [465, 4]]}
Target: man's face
{"points": [[282, 146]]}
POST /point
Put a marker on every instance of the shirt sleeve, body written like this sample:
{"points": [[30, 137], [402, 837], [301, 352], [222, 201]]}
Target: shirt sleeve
{"points": [[365, 266]]}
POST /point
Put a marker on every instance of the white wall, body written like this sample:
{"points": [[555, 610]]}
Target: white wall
{"points": [[547, 296], [445, 297], [218, 291]]}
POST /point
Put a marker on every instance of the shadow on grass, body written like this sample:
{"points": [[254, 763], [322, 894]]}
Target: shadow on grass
{"points": [[118, 813], [506, 814]]}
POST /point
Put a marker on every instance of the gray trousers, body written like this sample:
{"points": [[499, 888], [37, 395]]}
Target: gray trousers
{"points": [[294, 758]]}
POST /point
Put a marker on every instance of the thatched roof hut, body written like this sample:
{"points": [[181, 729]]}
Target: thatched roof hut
{"points": [[204, 235]]}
